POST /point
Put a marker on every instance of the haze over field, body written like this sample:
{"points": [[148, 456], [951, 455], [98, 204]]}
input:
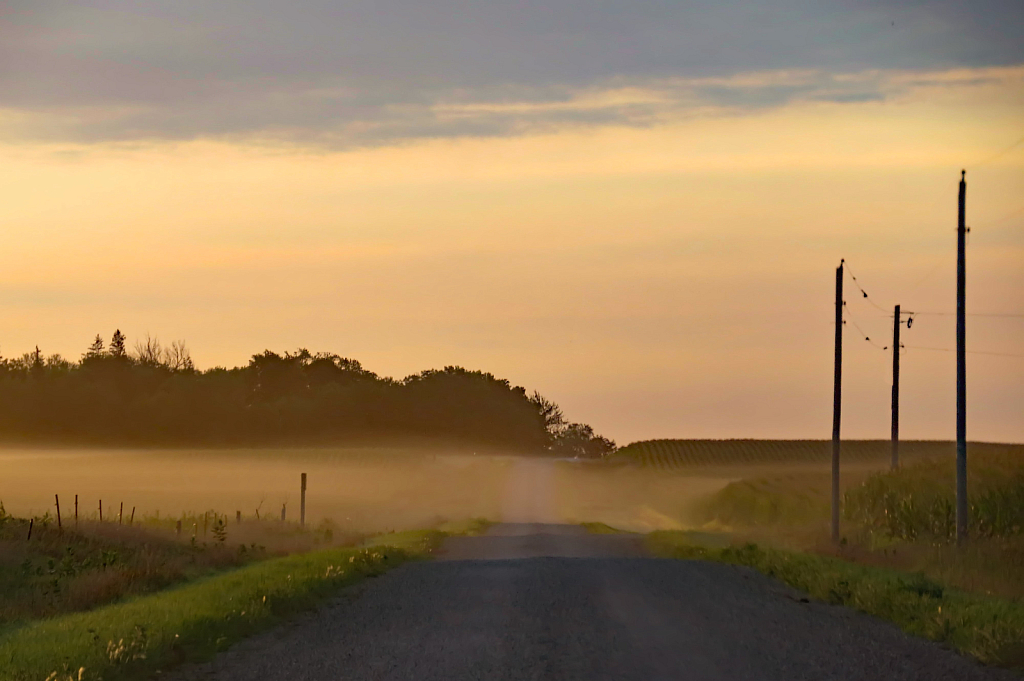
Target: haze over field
{"points": [[636, 213]]}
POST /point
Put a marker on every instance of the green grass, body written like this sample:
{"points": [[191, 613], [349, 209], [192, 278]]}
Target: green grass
{"points": [[987, 628], [672, 454], [135, 638]]}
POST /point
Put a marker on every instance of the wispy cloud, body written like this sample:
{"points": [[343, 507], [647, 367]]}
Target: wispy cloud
{"points": [[362, 74]]}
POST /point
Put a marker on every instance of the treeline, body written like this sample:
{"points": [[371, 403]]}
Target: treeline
{"points": [[154, 395]]}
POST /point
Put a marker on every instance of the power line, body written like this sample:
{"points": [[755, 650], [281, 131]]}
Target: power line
{"points": [[998, 154], [1009, 215], [863, 292], [969, 352], [1010, 315], [846, 309]]}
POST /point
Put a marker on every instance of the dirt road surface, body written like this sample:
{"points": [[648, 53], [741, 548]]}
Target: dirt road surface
{"points": [[536, 600]]}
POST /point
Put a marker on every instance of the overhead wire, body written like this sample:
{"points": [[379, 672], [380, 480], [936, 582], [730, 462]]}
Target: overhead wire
{"points": [[847, 313], [969, 352], [998, 154], [1008, 315], [863, 292]]}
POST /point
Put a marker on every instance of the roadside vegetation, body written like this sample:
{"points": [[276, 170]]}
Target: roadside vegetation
{"points": [[987, 628], [139, 637], [154, 395], [112, 601], [46, 570], [902, 519]]}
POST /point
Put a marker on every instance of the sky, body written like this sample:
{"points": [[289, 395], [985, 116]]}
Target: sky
{"points": [[636, 208]]}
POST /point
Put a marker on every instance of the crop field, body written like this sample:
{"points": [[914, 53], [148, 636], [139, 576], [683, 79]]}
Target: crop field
{"points": [[673, 454], [901, 520]]}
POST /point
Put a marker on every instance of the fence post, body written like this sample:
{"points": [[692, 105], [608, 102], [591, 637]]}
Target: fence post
{"points": [[60, 528], [302, 504]]}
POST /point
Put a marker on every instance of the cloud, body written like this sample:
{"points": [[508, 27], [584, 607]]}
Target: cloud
{"points": [[368, 73]]}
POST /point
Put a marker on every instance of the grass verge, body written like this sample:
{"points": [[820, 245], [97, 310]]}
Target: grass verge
{"points": [[136, 638], [986, 628]]}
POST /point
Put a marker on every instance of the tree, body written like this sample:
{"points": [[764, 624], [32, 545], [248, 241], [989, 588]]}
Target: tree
{"points": [[551, 413], [37, 362], [149, 353], [579, 441], [117, 345], [178, 358], [96, 350]]}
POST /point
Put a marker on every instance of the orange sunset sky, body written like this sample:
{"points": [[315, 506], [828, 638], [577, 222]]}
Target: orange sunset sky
{"points": [[639, 219]]}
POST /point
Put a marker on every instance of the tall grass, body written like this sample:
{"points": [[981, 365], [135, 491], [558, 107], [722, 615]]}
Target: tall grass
{"points": [[90, 563]]}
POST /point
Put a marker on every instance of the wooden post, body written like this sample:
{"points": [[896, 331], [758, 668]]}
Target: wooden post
{"points": [[283, 506], [238, 517], [961, 365], [76, 510], [177, 528], [132, 519], [120, 513], [101, 510], [31, 522], [896, 389], [837, 401], [302, 504], [60, 528]]}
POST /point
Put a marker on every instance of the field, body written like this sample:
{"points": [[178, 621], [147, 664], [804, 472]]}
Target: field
{"points": [[674, 454], [900, 520], [360, 490]]}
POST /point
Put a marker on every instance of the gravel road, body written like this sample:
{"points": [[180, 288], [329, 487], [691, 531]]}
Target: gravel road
{"points": [[535, 601]]}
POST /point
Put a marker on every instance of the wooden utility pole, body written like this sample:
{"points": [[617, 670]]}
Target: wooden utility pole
{"points": [[837, 400], [896, 388], [961, 366]]}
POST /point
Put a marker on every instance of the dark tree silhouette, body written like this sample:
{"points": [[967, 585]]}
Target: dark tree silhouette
{"points": [[117, 345], [96, 349], [155, 396]]}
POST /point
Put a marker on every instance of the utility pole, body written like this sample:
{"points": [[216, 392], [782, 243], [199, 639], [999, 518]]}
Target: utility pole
{"points": [[896, 389], [961, 367], [837, 400]]}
